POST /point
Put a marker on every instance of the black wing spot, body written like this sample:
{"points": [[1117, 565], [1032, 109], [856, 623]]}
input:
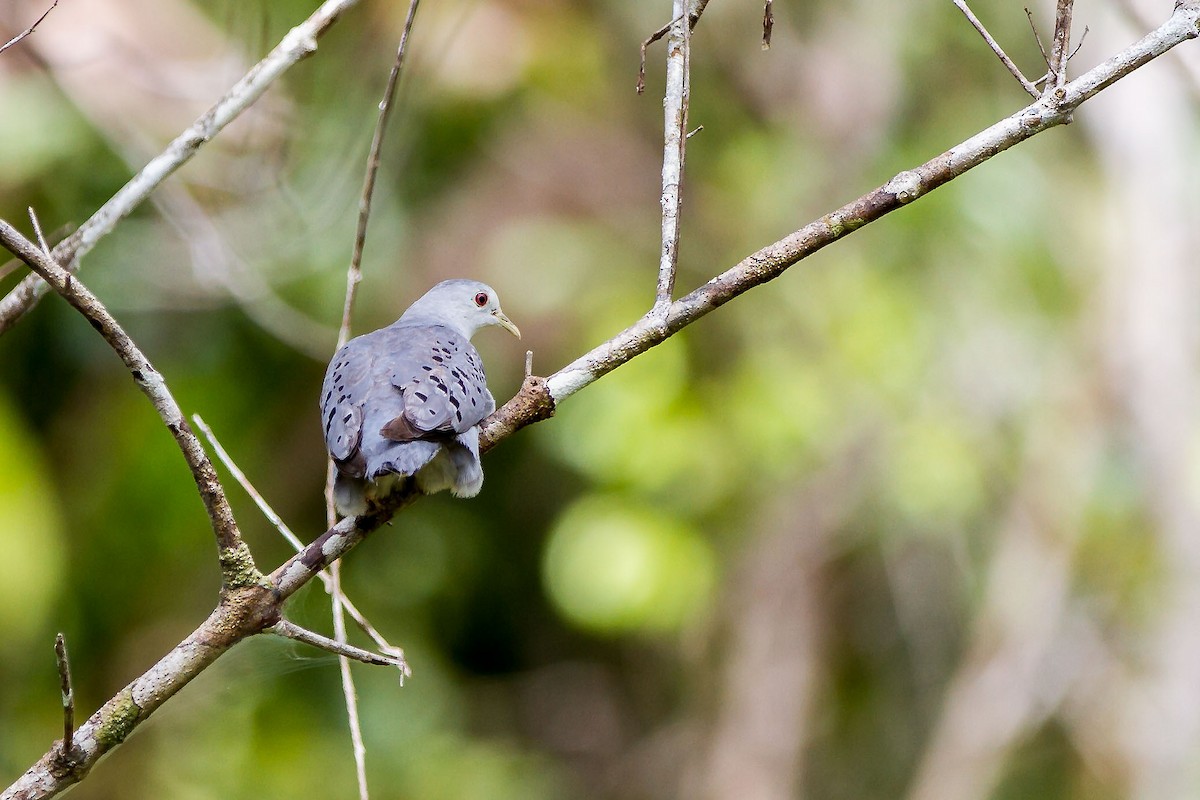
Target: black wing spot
{"points": [[422, 395], [346, 419], [425, 367], [454, 401]]}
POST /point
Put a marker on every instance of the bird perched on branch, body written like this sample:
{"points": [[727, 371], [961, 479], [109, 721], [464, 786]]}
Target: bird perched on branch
{"points": [[406, 400]]}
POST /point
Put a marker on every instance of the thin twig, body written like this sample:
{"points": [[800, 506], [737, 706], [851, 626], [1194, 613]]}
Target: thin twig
{"points": [[354, 273], [37, 229], [695, 10], [353, 277], [528, 363], [291, 630], [768, 24], [298, 43], [359, 618], [30, 29], [1037, 38], [239, 476], [1060, 44], [237, 564], [651, 39], [1079, 44], [348, 690], [996, 48], [68, 694], [675, 114]]}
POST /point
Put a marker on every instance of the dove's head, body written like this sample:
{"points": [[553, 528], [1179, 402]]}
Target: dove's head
{"points": [[463, 305]]}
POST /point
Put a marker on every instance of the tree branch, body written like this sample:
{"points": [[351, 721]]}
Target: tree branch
{"points": [[237, 564], [290, 630], [771, 261], [299, 42], [30, 29], [68, 694], [250, 609], [997, 49], [1060, 45], [240, 613], [273, 517], [354, 273], [353, 276], [675, 112], [695, 10]]}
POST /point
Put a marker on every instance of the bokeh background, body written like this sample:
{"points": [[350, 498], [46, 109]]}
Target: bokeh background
{"points": [[919, 519]]}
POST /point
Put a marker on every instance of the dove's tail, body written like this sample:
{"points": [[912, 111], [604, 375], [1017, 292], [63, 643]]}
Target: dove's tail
{"points": [[349, 495]]}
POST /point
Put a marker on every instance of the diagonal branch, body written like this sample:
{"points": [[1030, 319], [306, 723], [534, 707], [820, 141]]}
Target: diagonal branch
{"points": [[299, 42], [237, 564], [538, 397], [30, 29], [273, 517], [290, 630], [1026, 84]]}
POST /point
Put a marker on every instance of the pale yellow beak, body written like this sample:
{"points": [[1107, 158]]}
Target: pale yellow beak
{"points": [[506, 323]]}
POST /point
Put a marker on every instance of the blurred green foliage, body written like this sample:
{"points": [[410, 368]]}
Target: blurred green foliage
{"points": [[569, 628]]}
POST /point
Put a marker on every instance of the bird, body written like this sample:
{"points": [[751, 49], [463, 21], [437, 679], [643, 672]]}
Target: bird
{"points": [[405, 402]]}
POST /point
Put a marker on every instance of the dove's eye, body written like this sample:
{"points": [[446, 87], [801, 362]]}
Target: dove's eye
{"points": [[481, 299]]}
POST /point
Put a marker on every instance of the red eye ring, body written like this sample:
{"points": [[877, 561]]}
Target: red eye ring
{"points": [[481, 299]]}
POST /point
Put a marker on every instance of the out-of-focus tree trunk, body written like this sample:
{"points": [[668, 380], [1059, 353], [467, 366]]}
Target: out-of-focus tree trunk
{"points": [[1144, 138]]}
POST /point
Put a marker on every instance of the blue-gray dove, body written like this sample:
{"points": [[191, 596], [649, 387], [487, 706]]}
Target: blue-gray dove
{"points": [[406, 400]]}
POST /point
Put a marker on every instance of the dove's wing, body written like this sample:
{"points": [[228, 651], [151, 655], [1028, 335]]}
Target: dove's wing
{"points": [[441, 380]]}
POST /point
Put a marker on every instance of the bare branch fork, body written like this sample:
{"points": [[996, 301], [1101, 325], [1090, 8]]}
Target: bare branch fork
{"points": [[359, 618], [695, 10], [538, 397], [250, 607], [1056, 61]]}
